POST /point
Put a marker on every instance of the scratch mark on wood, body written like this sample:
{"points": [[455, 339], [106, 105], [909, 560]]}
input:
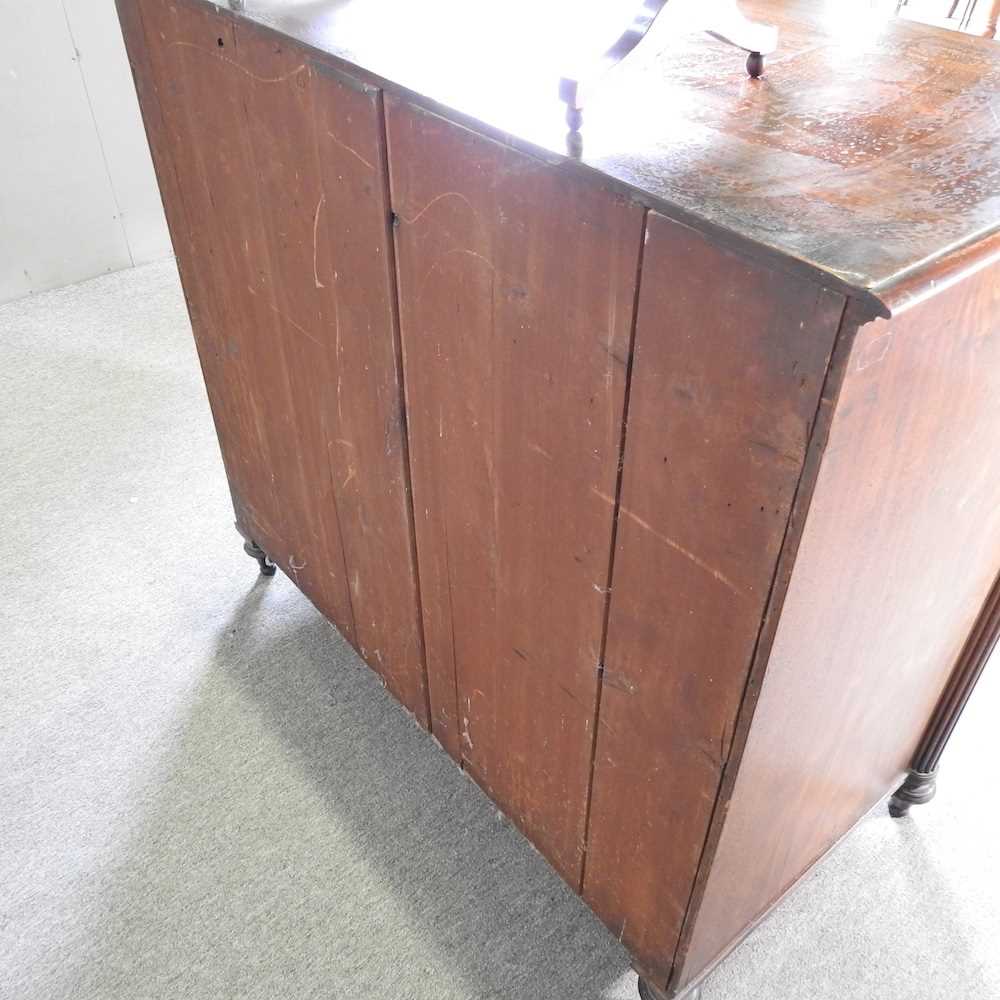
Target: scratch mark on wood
{"points": [[242, 69], [351, 150], [676, 546], [687, 553], [448, 253], [434, 201], [619, 681], [336, 359], [316, 214], [874, 351], [291, 322], [566, 691]]}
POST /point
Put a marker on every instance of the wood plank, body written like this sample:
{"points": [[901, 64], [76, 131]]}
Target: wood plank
{"points": [[320, 178], [196, 133], [729, 364], [903, 542], [516, 285], [281, 166]]}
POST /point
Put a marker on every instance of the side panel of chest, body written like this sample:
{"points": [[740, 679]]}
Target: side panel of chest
{"points": [[899, 552]]}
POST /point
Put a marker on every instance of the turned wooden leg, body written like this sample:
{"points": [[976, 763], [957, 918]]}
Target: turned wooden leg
{"points": [[915, 791], [649, 992], [920, 783], [254, 551], [755, 65]]}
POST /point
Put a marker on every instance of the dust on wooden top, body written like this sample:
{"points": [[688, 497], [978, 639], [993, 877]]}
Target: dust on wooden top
{"points": [[869, 152]]}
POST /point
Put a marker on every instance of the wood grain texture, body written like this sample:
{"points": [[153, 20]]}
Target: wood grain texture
{"points": [[722, 403], [516, 286], [900, 549], [281, 172], [369, 460], [228, 393]]}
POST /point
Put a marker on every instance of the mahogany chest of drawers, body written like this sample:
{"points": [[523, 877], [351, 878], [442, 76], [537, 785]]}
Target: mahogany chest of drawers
{"points": [[660, 481]]}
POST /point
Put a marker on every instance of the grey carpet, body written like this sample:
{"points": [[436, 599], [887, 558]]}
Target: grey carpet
{"points": [[204, 793]]}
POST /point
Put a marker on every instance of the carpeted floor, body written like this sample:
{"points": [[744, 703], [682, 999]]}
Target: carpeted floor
{"points": [[204, 794]]}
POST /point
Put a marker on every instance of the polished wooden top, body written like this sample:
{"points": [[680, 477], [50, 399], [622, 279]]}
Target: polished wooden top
{"points": [[870, 150]]}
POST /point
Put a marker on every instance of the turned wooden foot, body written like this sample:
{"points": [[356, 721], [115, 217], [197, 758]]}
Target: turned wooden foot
{"points": [[755, 65], [917, 789], [649, 992], [254, 551]]}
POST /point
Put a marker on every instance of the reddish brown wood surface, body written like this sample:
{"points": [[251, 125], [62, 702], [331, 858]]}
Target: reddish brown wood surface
{"points": [[516, 285], [900, 549], [863, 164], [281, 173], [557, 667], [729, 363]]}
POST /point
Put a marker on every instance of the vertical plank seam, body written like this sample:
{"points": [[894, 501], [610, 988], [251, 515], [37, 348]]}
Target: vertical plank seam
{"points": [[397, 331], [794, 529], [620, 475]]}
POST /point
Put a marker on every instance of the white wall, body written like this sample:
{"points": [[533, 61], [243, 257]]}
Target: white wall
{"points": [[77, 192]]}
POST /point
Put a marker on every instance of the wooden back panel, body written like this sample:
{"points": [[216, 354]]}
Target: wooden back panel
{"points": [[588, 630], [280, 168], [900, 548], [516, 285], [730, 359]]}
